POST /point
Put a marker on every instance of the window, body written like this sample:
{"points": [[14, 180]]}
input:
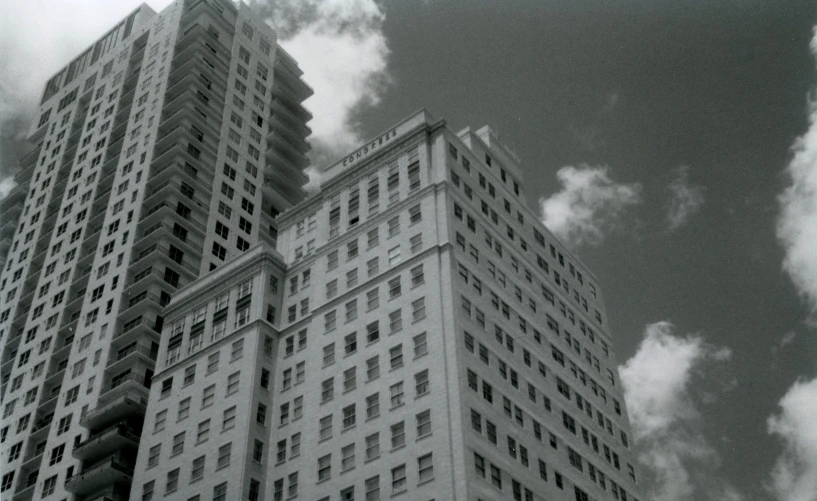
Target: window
{"points": [[347, 457], [425, 468], [324, 467], [373, 406], [172, 481], [423, 423], [258, 451], [329, 354], [184, 408], [232, 382], [373, 368], [203, 431], [396, 356], [396, 320], [56, 454], [398, 476], [197, 470], [350, 379], [396, 391], [220, 492], [223, 456], [373, 488], [394, 226], [49, 486], [147, 491], [418, 309], [178, 444], [261, 414], [394, 287], [420, 345], [325, 427], [161, 417], [394, 256], [421, 383], [228, 420], [372, 446]]}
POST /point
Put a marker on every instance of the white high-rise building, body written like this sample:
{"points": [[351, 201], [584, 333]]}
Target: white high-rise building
{"points": [[416, 334], [167, 147]]}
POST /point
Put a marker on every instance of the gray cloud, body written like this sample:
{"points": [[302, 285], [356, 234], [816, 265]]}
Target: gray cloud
{"points": [[677, 460], [37, 38], [589, 205], [685, 200], [341, 48], [794, 476]]}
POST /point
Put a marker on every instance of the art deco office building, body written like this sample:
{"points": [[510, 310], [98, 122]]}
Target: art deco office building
{"points": [[415, 334], [166, 148]]}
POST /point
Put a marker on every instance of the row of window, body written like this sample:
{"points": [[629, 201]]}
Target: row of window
{"points": [[466, 165]]}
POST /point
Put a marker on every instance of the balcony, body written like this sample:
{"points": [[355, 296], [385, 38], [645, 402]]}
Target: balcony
{"points": [[49, 404], [41, 427], [138, 328], [182, 132], [292, 133], [25, 492], [163, 231], [134, 384], [163, 190], [33, 461], [97, 476], [281, 192], [195, 35], [288, 75], [150, 254], [147, 277], [106, 442], [226, 19], [141, 303], [133, 355], [115, 410], [199, 180]]}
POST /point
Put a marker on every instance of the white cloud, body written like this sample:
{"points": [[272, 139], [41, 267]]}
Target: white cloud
{"points": [[685, 200], [797, 222], [315, 179], [794, 477], [589, 204], [38, 37], [676, 459], [340, 46], [6, 185]]}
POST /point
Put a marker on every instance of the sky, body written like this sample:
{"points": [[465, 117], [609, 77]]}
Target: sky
{"points": [[672, 144]]}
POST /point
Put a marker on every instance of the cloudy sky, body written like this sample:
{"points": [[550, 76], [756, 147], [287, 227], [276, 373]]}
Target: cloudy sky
{"points": [[672, 143]]}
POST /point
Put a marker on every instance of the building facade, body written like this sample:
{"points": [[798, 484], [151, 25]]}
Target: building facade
{"points": [[166, 148], [416, 333]]}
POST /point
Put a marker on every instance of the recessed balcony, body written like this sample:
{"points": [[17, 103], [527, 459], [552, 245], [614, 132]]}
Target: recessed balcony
{"points": [[97, 476], [106, 442], [115, 410]]}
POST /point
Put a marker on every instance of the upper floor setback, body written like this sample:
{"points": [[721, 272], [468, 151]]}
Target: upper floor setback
{"points": [[232, 297], [135, 22], [372, 177]]}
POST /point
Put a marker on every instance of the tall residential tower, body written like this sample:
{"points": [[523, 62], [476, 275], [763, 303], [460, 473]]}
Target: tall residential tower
{"points": [[415, 334], [167, 147]]}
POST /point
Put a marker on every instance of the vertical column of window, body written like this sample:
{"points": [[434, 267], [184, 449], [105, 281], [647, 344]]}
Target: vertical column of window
{"points": [[354, 207], [334, 216], [393, 182], [373, 196]]}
